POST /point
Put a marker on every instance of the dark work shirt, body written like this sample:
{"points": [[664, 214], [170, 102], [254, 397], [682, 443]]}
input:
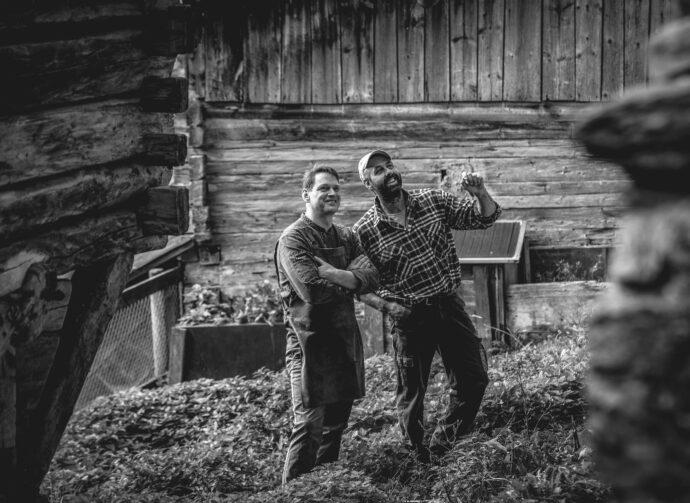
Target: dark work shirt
{"points": [[297, 269], [419, 260]]}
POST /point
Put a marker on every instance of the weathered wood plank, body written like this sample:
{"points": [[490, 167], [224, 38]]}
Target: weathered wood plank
{"points": [[224, 53], [164, 211], [263, 59], [8, 424], [64, 71], [95, 294], [522, 62], [196, 68], [46, 201], [326, 74], [463, 49], [482, 296], [588, 24], [490, 50], [218, 130], [612, 77], [437, 52], [662, 12], [411, 24], [343, 151], [296, 65], [555, 305], [386, 52], [64, 139], [500, 169], [558, 51], [635, 68], [629, 132], [357, 46]]}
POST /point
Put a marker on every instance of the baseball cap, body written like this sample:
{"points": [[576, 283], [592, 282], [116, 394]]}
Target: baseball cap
{"points": [[365, 160]]}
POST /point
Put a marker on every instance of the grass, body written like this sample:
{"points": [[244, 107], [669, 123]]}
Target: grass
{"points": [[224, 441]]}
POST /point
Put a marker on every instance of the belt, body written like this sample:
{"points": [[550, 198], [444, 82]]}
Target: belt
{"points": [[431, 301]]}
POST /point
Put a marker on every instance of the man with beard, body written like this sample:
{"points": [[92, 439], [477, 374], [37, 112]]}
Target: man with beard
{"points": [[408, 236], [320, 266]]}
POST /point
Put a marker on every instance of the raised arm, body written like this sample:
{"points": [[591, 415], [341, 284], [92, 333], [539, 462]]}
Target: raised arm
{"points": [[464, 213]]}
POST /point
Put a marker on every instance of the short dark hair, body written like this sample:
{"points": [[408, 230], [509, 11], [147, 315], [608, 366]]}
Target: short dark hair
{"points": [[310, 174]]}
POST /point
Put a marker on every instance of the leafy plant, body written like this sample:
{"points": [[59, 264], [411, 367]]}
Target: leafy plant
{"points": [[208, 306]]}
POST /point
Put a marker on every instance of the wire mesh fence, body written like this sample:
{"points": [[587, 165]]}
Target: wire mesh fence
{"points": [[134, 350]]}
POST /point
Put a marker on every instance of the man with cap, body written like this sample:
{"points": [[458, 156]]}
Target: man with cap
{"points": [[408, 237], [320, 266]]}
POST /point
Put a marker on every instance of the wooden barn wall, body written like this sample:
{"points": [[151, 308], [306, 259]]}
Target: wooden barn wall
{"points": [[397, 51], [464, 85]]}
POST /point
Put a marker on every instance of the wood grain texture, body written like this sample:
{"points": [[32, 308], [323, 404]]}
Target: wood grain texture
{"points": [[463, 50], [588, 54], [70, 138], [326, 74], [164, 211], [296, 66], [490, 49], [437, 53], [612, 78], [558, 51], [224, 54], [43, 202], [357, 56], [263, 58], [411, 22], [662, 12], [636, 42], [64, 71], [522, 53], [386, 51]]}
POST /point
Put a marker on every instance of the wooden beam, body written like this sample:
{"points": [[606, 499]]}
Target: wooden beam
{"points": [[95, 294], [173, 31], [78, 244], [8, 426], [165, 211], [79, 136], [163, 149], [164, 94], [48, 200], [482, 292]]}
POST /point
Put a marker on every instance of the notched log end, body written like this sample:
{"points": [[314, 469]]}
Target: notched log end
{"points": [[159, 149], [164, 211], [168, 95]]}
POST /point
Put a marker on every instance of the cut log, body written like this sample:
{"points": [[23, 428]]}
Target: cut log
{"points": [[164, 94], [646, 132], [96, 290], [67, 139], [164, 149], [172, 32], [165, 211], [87, 68], [670, 51], [47, 200], [79, 244]]}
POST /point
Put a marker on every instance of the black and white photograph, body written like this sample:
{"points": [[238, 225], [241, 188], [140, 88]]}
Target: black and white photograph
{"points": [[345, 251]]}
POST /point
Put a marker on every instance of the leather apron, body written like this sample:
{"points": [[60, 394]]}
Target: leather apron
{"points": [[329, 341]]}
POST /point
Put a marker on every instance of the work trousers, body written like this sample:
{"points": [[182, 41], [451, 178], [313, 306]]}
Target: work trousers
{"points": [[317, 431], [439, 325]]}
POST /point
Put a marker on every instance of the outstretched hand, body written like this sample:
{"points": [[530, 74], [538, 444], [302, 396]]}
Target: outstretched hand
{"points": [[473, 183]]}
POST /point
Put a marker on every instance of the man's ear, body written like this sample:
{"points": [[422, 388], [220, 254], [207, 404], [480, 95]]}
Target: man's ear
{"points": [[305, 196]]}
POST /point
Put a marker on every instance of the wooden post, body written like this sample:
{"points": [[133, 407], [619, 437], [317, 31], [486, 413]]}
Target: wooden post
{"points": [[177, 355], [95, 294], [8, 426], [498, 321], [159, 336], [373, 332], [483, 303]]}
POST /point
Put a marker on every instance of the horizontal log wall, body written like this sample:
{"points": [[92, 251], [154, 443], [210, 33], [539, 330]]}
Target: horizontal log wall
{"points": [[255, 157], [397, 51]]}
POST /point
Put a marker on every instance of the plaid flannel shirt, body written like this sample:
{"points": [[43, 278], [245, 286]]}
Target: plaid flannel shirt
{"points": [[420, 260]]}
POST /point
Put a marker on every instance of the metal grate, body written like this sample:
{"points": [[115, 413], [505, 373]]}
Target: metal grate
{"points": [[128, 356]]}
